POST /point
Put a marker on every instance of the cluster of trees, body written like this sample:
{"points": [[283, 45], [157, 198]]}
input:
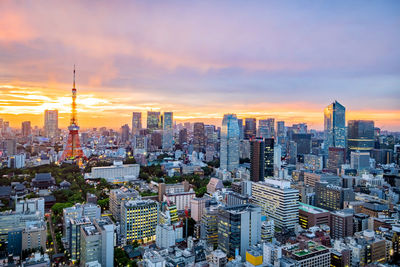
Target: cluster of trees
{"points": [[121, 257], [150, 173]]}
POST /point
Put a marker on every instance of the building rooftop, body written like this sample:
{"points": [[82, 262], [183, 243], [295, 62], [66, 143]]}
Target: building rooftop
{"points": [[311, 209], [43, 177], [90, 230], [304, 250], [139, 202]]}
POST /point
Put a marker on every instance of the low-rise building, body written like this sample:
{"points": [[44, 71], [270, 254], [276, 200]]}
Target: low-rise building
{"points": [[308, 254], [117, 173], [311, 216]]}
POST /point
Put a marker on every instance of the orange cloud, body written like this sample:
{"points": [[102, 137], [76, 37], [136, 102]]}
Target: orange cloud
{"points": [[114, 109]]}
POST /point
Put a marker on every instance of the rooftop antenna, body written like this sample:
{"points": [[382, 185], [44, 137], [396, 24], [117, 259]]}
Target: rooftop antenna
{"points": [[74, 76]]}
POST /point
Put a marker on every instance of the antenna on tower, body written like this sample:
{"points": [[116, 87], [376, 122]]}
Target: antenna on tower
{"points": [[74, 76]]}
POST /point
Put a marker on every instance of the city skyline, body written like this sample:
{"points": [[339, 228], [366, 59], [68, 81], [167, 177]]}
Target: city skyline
{"points": [[198, 64], [200, 133]]}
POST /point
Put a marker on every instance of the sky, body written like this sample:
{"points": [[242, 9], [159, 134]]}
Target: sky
{"points": [[200, 59]]}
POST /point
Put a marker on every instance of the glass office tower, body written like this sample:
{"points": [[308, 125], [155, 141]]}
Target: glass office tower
{"points": [[335, 126], [360, 135], [229, 155]]}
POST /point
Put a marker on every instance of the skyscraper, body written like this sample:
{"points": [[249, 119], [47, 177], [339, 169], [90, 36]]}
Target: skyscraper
{"points": [[199, 137], [167, 142], [266, 128], [281, 136], [51, 123], [239, 227], [335, 126], [292, 153], [269, 157], [229, 155], [263, 129], [257, 147], [26, 128], [281, 131], [124, 133], [136, 122], [250, 128], [241, 130], [183, 136], [360, 135], [153, 120], [303, 141]]}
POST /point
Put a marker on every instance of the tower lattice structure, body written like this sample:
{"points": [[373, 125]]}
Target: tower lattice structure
{"points": [[73, 149]]}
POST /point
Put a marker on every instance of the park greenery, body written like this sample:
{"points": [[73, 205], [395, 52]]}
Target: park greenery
{"points": [[71, 173]]}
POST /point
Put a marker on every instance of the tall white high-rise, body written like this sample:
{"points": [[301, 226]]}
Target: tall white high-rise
{"points": [[229, 154], [51, 123], [278, 202]]}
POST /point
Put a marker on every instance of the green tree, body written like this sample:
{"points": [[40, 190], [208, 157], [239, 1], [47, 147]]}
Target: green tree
{"points": [[104, 203], [57, 208]]}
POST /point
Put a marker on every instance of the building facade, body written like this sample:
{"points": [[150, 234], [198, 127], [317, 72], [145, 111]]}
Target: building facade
{"points": [[335, 126], [239, 227], [278, 202], [229, 154], [139, 219], [51, 123], [136, 122]]}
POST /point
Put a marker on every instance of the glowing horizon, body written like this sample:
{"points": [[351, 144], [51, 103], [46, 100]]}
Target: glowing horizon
{"points": [[282, 60]]}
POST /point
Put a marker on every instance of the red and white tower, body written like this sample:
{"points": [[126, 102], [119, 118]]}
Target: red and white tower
{"points": [[73, 149]]}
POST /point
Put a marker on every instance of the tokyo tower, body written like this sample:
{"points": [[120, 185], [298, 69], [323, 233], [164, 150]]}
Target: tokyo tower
{"points": [[73, 149]]}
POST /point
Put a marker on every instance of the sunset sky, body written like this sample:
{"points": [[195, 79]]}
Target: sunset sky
{"points": [[200, 60]]}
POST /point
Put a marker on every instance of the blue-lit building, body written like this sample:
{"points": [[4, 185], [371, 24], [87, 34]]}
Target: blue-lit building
{"points": [[229, 154], [335, 125]]}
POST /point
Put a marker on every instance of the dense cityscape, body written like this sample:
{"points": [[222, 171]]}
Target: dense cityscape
{"points": [[246, 193], [200, 133]]}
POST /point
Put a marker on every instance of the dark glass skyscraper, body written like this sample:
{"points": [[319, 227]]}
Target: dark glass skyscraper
{"points": [[303, 142], [335, 126], [257, 150], [124, 133], [250, 128], [360, 135], [199, 137], [269, 157]]}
